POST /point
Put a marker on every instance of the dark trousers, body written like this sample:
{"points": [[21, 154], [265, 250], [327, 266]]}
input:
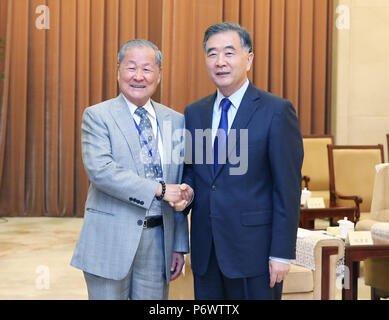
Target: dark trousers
{"points": [[214, 285]]}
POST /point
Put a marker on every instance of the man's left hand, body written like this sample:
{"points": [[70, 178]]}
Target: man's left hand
{"points": [[278, 272], [177, 264]]}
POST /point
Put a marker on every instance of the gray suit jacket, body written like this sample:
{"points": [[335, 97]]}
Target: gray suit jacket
{"points": [[119, 194]]}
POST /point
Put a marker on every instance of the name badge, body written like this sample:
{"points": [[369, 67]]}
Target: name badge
{"points": [[315, 203]]}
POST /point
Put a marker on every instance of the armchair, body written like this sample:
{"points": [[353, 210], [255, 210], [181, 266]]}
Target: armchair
{"points": [[376, 271], [352, 173], [315, 172], [301, 283], [304, 280]]}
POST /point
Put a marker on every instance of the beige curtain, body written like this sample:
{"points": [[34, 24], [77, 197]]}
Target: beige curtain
{"points": [[52, 75]]}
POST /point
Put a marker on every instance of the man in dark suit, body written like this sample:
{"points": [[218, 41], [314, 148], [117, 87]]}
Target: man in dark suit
{"points": [[246, 202]]}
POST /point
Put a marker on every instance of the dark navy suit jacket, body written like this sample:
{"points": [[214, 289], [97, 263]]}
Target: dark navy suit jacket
{"points": [[249, 216]]}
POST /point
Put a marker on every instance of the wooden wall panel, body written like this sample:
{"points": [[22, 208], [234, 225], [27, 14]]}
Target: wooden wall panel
{"points": [[82, 98], [5, 49], [35, 151], [292, 50], [283, 34], [127, 14], [3, 37], [155, 23], [247, 21], [262, 44], [231, 10], [205, 13], [12, 195], [168, 32], [52, 109], [111, 48], [155, 33], [142, 19], [179, 86], [186, 80], [97, 51], [306, 73], [319, 66], [328, 90], [67, 110], [277, 46], [53, 74]]}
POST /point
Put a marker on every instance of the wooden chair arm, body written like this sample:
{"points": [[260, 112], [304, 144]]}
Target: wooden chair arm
{"points": [[358, 200], [324, 286], [306, 180]]}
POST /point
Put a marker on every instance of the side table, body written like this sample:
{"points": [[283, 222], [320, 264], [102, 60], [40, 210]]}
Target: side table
{"points": [[308, 216], [353, 255]]}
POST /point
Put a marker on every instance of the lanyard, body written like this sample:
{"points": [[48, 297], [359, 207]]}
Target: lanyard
{"points": [[147, 145]]}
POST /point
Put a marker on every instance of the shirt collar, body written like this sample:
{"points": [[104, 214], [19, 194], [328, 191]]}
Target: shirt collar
{"points": [[148, 106], [235, 98]]}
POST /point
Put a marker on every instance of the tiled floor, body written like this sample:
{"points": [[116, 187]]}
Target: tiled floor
{"points": [[34, 262]]}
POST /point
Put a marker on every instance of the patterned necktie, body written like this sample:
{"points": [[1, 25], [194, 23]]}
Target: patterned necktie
{"points": [[221, 136], [150, 154]]}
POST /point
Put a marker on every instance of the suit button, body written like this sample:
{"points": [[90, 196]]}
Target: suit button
{"points": [[131, 199], [142, 203], [140, 222], [213, 188]]}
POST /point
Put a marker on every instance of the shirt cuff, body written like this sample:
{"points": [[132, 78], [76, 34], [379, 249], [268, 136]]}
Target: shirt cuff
{"points": [[282, 260], [191, 200]]}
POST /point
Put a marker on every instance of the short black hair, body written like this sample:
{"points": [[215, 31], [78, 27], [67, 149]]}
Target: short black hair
{"points": [[221, 27]]}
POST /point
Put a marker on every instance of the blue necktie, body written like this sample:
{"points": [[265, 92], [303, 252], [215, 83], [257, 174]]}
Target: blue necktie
{"points": [[152, 162], [221, 136]]}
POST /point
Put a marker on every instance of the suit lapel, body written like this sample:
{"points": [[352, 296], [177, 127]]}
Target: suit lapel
{"points": [[123, 118], [247, 108], [206, 114]]}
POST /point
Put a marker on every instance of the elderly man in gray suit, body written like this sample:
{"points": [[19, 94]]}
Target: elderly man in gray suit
{"points": [[134, 237]]}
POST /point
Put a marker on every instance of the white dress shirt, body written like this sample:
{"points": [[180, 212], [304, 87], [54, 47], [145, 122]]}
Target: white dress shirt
{"points": [[153, 119], [236, 99]]}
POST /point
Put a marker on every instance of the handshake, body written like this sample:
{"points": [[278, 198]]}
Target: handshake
{"points": [[178, 195]]}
